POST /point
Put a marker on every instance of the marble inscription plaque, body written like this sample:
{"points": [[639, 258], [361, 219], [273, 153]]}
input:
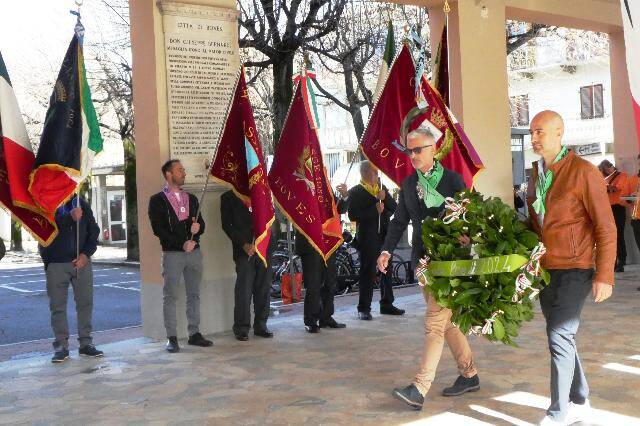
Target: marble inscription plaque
{"points": [[202, 61]]}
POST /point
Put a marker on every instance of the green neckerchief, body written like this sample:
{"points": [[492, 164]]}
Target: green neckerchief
{"points": [[429, 182], [544, 183]]}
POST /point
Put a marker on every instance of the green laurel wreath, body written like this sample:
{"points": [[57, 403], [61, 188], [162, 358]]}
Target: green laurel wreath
{"points": [[483, 294]]}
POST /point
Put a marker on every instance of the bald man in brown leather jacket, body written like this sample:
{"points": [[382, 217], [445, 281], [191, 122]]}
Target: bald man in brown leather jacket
{"points": [[569, 210]]}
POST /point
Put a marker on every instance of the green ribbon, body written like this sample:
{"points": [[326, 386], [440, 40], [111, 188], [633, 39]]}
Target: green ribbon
{"points": [[544, 183], [429, 181], [482, 266], [468, 267]]}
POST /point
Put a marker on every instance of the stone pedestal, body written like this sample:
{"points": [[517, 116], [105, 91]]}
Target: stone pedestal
{"points": [[167, 125]]}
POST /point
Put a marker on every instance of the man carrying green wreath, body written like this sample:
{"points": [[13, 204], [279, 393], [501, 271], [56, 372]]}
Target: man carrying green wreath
{"points": [[423, 195], [570, 212]]}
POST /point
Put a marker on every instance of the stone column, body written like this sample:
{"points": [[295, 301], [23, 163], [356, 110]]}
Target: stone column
{"points": [[625, 140], [152, 116], [478, 81]]}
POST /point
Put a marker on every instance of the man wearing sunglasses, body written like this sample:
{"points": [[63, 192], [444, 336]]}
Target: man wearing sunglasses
{"points": [[422, 195]]}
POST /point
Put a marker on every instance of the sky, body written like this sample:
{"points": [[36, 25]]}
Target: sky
{"points": [[34, 36]]}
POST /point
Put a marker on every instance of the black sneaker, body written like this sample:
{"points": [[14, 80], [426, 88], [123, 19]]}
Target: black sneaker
{"points": [[196, 339], [243, 337], [61, 355], [331, 323], [462, 385], [265, 332], [313, 328], [90, 350], [365, 316], [172, 345], [391, 310], [410, 395]]}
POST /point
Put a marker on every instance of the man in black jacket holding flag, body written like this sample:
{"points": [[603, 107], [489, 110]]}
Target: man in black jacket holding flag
{"points": [[68, 260], [371, 207], [172, 213]]}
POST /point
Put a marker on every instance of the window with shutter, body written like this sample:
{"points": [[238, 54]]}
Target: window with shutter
{"points": [[591, 102], [598, 101], [585, 102]]}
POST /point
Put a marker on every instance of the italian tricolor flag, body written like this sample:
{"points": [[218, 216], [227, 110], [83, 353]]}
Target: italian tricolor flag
{"points": [[387, 59], [71, 135], [16, 162]]}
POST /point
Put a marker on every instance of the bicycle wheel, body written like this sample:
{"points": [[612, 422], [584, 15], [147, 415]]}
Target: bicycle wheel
{"points": [[402, 273], [345, 276]]}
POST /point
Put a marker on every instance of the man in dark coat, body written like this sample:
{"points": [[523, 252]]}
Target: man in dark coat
{"points": [[68, 260], [253, 277], [371, 207], [319, 278]]}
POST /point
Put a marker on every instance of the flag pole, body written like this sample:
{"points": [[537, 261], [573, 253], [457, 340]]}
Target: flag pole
{"points": [[77, 228], [446, 9], [79, 5], [380, 201], [201, 200], [209, 164], [353, 160]]}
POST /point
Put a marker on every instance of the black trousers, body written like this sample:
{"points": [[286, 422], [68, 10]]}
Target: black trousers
{"points": [[620, 216], [320, 283], [368, 259], [253, 280]]}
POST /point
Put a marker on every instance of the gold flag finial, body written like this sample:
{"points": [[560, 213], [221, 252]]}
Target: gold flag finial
{"points": [[446, 7]]}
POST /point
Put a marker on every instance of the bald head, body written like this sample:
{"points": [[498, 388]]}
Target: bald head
{"points": [[551, 118], [547, 129]]}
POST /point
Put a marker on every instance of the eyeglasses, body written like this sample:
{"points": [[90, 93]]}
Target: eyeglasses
{"points": [[417, 150]]}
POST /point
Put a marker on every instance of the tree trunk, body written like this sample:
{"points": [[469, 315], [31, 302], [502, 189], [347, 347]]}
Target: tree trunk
{"points": [[16, 236], [131, 197], [352, 99], [282, 93]]}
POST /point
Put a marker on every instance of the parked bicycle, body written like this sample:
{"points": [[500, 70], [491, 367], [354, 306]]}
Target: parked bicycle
{"points": [[347, 267]]}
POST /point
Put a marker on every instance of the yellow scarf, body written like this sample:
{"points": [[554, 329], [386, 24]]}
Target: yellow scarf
{"points": [[371, 189]]}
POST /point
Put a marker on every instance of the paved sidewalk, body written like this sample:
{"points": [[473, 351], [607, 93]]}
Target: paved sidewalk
{"points": [[335, 377]]}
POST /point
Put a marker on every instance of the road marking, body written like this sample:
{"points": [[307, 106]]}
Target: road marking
{"points": [[20, 275], [8, 287], [44, 280], [110, 285], [118, 286]]}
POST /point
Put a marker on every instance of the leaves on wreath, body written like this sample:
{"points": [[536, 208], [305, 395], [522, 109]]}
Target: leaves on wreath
{"points": [[494, 229]]}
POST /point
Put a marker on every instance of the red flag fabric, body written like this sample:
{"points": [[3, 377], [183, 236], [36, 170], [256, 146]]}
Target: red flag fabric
{"points": [[239, 164], [441, 74], [381, 141], [16, 163], [298, 178]]}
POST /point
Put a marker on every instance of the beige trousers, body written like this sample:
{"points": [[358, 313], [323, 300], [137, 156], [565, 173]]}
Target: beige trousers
{"points": [[438, 328]]}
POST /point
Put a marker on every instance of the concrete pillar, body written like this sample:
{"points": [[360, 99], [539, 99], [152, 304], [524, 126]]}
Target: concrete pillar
{"points": [[624, 128], [625, 140], [478, 86], [152, 149]]}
